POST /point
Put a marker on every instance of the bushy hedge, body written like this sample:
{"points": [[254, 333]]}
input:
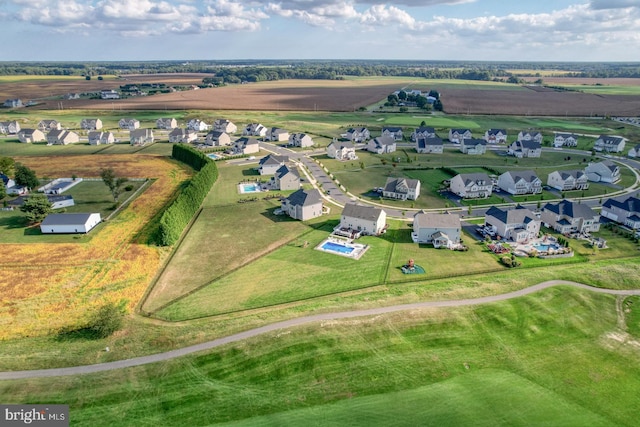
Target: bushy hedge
{"points": [[181, 211]]}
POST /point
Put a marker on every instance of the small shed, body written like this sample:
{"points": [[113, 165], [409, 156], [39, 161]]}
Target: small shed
{"points": [[70, 223]]}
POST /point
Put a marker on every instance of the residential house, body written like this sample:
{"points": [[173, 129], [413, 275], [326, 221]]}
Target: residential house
{"points": [[109, 94], [8, 182], [70, 223], [31, 135], [129, 123], [300, 140], [286, 178], [393, 132], [626, 212], [496, 136], [303, 204], [91, 124], [57, 201], [359, 134], [473, 146], [62, 137], [277, 134], [401, 188], [609, 144], [457, 135], [49, 125], [99, 137], [471, 185], [381, 145], [246, 145], [255, 129], [184, 136], [423, 132], [197, 125], [442, 230], [166, 123], [224, 125], [429, 145], [217, 138], [604, 171], [13, 103], [530, 136], [268, 165], [72, 95], [360, 220], [344, 150], [570, 217], [9, 128], [141, 136], [517, 224], [568, 180], [520, 182], [635, 151], [565, 140], [525, 148]]}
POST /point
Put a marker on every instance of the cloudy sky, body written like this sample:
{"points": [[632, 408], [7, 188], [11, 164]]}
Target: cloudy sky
{"points": [[530, 30]]}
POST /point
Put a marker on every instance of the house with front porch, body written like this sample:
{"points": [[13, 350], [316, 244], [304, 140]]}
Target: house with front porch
{"points": [[342, 150], [286, 178], [626, 212], [9, 128], [609, 144], [473, 146], [604, 171], [31, 135], [217, 138], [98, 137], [303, 204], [360, 220], [429, 145], [91, 124], [568, 180], [496, 136], [393, 132], [423, 132], [167, 123], [442, 230], [197, 125], [565, 140], [302, 140], [517, 224], [471, 185], [358, 134], [525, 148], [255, 129], [269, 164], [381, 145], [183, 136], [457, 135], [246, 145], [570, 217], [129, 123], [141, 136], [401, 188], [520, 182], [62, 137]]}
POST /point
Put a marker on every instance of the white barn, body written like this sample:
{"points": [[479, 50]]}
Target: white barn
{"points": [[70, 223]]}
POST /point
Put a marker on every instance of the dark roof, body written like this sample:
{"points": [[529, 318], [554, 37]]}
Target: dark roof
{"points": [[529, 145], [273, 159], [576, 173], [631, 204], [19, 201], [474, 141], [4, 178], [496, 131], [305, 197], [425, 129], [392, 128], [468, 178], [611, 140], [284, 169], [384, 140], [527, 175], [392, 183], [66, 219], [362, 212], [517, 215], [423, 142], [570, 209], [459, 130]]}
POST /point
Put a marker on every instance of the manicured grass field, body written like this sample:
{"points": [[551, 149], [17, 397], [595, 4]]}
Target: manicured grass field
{"points": [[544, 359]]}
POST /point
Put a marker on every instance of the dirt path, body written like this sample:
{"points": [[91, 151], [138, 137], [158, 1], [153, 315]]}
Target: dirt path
{"points": [[75, 370]]}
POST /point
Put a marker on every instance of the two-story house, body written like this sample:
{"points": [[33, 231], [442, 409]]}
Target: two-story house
{"points": [[565, 140], [401, 188], [357, 134], [525, 148], [626, 212], [217, 138], [277, 134], [269, 164], [62, 137], [473, 146], [357, 220], [184, 136], [381, 145], [604, 171], [129, 123], [423, 132], [197, 125], [246, 145], [496, 136], [568, 180], [224, 125], [31, 135], [49, 125], [609, 144], [393, 132], [286, 178], [530, 136], [302, 140], [303, 204], [97, 137], [255, 129], [457, 135], [570, 217], [442, 230], [167, 123], [141, 136], [517, 224], [342, 150], [91, 124], [429, 145], [471, 185], [520, 182]]}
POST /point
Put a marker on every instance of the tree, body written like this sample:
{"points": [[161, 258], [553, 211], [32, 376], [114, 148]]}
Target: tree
{"points": [[106, 321], [113, 182], [26, 177], [402, 95], [3, 190], [37, 207], [423, 123], [6, 165], [437, 105]]}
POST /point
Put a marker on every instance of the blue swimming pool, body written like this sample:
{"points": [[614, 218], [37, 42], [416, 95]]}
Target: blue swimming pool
{"points": [[249, 188], [337, 247], [214, 156], [545, 248]]}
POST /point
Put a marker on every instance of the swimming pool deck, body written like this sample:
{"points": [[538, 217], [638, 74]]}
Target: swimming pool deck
{"points": [[358, 248]]}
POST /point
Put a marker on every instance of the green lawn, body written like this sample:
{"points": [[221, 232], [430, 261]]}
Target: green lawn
{"points": [[543, 359]]}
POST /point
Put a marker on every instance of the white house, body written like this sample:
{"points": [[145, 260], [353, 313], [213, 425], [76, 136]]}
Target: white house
{"points": [[473, 146], [568, 180], [128, 123], [570, 217], [381, 145], [9, 128], [197, 125], [91, 124], [635, 151], [109, 94], [246, 145], [286, 178], [141, 136], [525, 148], [457, 135], [359, 134], [99, 137], [62, 137], [70, 223], [402, 188], [518, 224], [300, 140], [565, 140], [604, 171], [268, 165], [609, 144], [344, 150], [530, 136], [626, 212], [255, 129], [166, 123], [496, 136], [520, 182], [393, 132], [184, 136], [471, 185], [303, 204], [423, 132], [277, 134], [429, 145], [224, 125], [357, 220], [442, 230], [49, 125]]}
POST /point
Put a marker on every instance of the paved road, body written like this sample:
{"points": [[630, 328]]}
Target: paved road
{"points": [[144, 360]]}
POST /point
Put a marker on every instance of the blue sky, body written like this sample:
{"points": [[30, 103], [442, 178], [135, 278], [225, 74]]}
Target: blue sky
{"points": [[500, 30]]}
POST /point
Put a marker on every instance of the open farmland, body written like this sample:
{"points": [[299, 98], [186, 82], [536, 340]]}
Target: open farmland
{"points": [[42, 280]]}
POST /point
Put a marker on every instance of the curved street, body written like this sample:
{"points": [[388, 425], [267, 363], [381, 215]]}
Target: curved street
{"points": [[159, 357]]}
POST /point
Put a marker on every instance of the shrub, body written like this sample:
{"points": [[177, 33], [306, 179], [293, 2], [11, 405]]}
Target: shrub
{"points": [[128, 187]]}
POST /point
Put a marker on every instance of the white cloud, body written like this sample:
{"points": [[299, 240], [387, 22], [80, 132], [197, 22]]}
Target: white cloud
{"points": [[385, 15]]}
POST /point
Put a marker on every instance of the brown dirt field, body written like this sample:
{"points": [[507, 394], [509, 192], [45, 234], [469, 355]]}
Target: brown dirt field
{"points": [[284, 95], [585, 81], [529, 102]]}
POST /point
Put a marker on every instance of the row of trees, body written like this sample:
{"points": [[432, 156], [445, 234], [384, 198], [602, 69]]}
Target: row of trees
{"points": [[178, 215]]}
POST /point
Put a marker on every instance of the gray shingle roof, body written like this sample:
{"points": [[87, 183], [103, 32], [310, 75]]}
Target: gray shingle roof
{"points": [[354, 210], [66, 219]]}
